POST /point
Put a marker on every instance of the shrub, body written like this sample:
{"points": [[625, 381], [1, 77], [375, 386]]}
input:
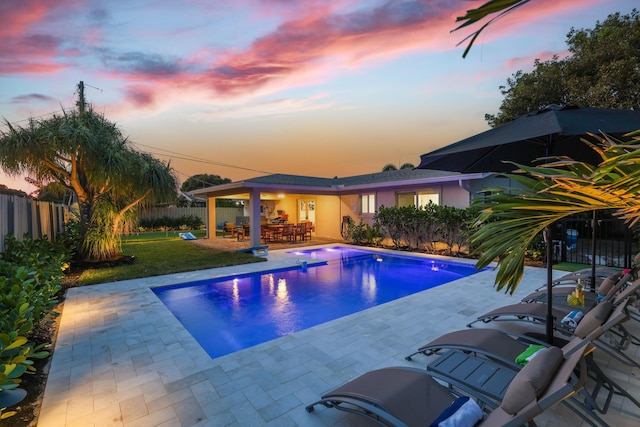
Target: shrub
{"points": [[30, 275], [362, 233], [422, 227]]}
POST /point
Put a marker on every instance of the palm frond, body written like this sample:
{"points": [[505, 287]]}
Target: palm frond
{"points": [[472, 16]]}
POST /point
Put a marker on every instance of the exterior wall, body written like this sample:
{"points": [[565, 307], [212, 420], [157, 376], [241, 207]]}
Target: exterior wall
{"points": [[386, 198], [328, 217], [454, 195], [451, 194], [477, 186], [350, 206]]}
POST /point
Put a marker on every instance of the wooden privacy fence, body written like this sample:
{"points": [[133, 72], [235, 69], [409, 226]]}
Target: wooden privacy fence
{"points": [[20, 215]]}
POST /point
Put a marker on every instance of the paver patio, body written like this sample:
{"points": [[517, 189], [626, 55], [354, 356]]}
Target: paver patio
{"points": [[122, 359]]}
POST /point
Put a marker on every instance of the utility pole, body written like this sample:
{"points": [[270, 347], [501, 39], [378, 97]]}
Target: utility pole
{"points": [[81, 101]]}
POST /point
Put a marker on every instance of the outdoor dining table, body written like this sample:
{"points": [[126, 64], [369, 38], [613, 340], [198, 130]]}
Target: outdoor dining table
{"points": [[276, 232]]}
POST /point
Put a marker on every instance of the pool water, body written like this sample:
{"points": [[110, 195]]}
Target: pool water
{"points": [[233, 313]]}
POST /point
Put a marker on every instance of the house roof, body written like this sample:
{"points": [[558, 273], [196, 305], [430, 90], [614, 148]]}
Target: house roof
{"points": [[309, 184]]}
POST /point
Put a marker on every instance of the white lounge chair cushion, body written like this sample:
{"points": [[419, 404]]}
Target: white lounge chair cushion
{"points": [[463, 412]]}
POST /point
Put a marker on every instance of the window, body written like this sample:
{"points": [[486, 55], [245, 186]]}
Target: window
{"points": [[368, 203], [406, 199], [418, 199], [425, 198]]}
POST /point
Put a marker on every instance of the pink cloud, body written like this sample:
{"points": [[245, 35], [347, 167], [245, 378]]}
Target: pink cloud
{"points": [[316, 40], [526, 62], [24, 48], [308, 41]]}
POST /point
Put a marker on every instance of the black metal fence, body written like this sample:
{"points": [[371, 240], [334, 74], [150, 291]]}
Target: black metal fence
{"points": [[611, 242]]}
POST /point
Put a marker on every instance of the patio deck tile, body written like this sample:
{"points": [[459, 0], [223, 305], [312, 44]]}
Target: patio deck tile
{"points": [[122, 359]]}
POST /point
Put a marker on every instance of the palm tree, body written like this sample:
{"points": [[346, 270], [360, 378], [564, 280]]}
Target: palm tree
{"points": [[89, 155], [512, 217]]}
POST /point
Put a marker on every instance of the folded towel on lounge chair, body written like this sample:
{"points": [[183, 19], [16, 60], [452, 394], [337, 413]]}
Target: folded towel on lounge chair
{"points": [[526, 356], [572, 319], [463, 412]]}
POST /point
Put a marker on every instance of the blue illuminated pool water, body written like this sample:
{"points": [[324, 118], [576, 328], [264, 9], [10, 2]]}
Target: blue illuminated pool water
{"points": [[230, 314]]}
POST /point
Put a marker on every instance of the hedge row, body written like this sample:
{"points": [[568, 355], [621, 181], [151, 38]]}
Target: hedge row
{"points": [[187, 222], [417, 228]]}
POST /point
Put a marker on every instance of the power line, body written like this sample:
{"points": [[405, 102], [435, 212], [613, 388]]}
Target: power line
{"points": [[182, 156]]}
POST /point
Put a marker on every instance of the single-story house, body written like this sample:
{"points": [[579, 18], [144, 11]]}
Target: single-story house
{"points": [[327, 201]]}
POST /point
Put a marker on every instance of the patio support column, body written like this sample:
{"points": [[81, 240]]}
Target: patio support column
{"points": [[254, 204], [211, 218]]}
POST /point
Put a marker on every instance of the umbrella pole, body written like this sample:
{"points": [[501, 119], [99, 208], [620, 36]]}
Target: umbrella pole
{"points": [[549, 323], [593, 251]]}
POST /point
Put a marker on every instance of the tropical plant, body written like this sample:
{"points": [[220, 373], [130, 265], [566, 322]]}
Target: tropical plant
{"points": [[30, 275], [90, 156], [362, 233], [54, 192], [473, 16], [511, 218]]}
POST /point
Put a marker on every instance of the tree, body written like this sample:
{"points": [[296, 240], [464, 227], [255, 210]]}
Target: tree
{"points": [[202, 180], [602, 71], [389, 167], [54, 192], [407, 166], [512, 218], [89, 155]]}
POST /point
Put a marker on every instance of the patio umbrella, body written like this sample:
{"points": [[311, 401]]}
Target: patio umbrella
{"points": [[551, 131]]}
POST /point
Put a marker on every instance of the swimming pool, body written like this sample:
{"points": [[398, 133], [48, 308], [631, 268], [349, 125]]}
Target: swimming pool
{"points": [[232, 313]]}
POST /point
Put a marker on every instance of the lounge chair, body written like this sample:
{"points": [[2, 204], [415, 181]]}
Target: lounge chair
{"points": [[404, 396], [611, 284], [537, 312], [565, 284], [506, 348]]}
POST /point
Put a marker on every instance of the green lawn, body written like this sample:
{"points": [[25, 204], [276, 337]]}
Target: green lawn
{"points": [[163, 253]]}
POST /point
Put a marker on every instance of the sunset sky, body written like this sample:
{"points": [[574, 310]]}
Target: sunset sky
{"points": [[244, 88]]}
